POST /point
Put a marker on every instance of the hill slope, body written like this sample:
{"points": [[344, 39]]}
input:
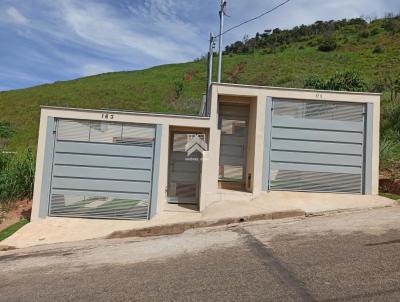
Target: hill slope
{"points": [[283, 58]]}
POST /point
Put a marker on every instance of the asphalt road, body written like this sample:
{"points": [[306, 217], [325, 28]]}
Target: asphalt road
{"points": [[344, 257]]}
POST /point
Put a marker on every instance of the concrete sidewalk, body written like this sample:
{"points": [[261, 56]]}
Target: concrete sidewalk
{"points": [[267, 206]]}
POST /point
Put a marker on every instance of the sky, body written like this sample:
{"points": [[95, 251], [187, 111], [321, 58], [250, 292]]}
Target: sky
{"points": [[42, 41]]}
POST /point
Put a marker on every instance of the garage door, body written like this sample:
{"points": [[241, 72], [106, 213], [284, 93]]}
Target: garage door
{"points": [[316, 146], [102, 170]]}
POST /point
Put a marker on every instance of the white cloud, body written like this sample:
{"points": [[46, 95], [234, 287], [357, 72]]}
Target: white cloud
{"points": [[98, 25], [149, 33], [16, 16], [166, 17]]}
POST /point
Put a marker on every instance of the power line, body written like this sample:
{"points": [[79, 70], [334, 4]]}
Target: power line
{"points": [[252, 19]]}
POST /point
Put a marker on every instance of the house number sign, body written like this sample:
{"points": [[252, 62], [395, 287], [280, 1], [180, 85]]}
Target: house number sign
{"points": [[107, 116]]}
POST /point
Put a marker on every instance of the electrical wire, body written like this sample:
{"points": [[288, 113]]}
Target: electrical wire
{"points": [[252, 19]]}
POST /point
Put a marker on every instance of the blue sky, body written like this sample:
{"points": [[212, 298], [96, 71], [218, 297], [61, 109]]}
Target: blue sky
{"points": [[42, 41]]}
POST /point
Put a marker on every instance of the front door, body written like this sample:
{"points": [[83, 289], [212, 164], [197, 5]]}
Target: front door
{"points": [[233, 122], [185, 167]]}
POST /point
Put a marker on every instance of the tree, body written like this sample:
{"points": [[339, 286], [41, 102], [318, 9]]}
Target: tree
{"points": [[391, 24]]}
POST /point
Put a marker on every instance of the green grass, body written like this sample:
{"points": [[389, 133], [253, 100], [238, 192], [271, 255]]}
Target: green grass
{"points": [[178, 88], [12, 229], [16, 176], [391, 196]]}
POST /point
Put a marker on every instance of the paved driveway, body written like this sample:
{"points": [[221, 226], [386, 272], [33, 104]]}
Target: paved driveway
{"points": [[344, 257]]}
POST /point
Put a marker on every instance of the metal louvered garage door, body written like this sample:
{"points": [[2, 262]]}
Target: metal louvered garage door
{"points": [[102, 170], [317, 146]]}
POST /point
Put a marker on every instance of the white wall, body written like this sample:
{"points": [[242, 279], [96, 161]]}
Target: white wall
{"points": [[209, 186], [261, 93]]}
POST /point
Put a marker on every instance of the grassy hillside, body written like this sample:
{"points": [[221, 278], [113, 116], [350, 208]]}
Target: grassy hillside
{"points": [[281, 58]]}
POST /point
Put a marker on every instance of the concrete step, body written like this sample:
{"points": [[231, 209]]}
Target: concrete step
{"points": [[231, 195], [181, 208]]}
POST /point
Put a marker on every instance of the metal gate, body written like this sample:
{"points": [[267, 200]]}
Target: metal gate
{"points": [[316, 146], [102, 169], [233, 122], [184, 169]]}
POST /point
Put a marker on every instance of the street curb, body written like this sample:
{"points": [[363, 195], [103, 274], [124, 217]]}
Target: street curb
{"points": [[4, 248], [178, 228], [344, 211]]}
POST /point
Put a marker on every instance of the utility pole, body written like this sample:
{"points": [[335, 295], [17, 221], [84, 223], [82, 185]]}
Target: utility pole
{"points": [[221, 28], [210, 61], [210, 72]]}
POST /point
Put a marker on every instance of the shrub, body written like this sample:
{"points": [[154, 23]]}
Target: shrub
{"points": [[390, 133], [391, 119], [312, 43], [327, 45], [6, 130], [364, 34], [345, 81], [378, 87], [178, 88], [391, 24], [4, 159], [314, 82], [268, 50], [389, 151], [16, 177], [390, 81], [375, 31], [377, 49]]}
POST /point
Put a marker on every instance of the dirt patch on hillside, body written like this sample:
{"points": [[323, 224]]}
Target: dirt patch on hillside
{"points": [[20, 209]]}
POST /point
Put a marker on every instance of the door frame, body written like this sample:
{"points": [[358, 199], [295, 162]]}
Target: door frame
{"points": [[267, 145]]}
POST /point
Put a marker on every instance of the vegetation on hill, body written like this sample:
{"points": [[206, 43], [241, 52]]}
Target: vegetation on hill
{"points": [[305, 56], [324, 36], [345, 81], [16, 177]]}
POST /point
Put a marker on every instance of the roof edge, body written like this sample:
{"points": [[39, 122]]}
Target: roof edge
{"points": [[129, 112], [293, 89]]}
